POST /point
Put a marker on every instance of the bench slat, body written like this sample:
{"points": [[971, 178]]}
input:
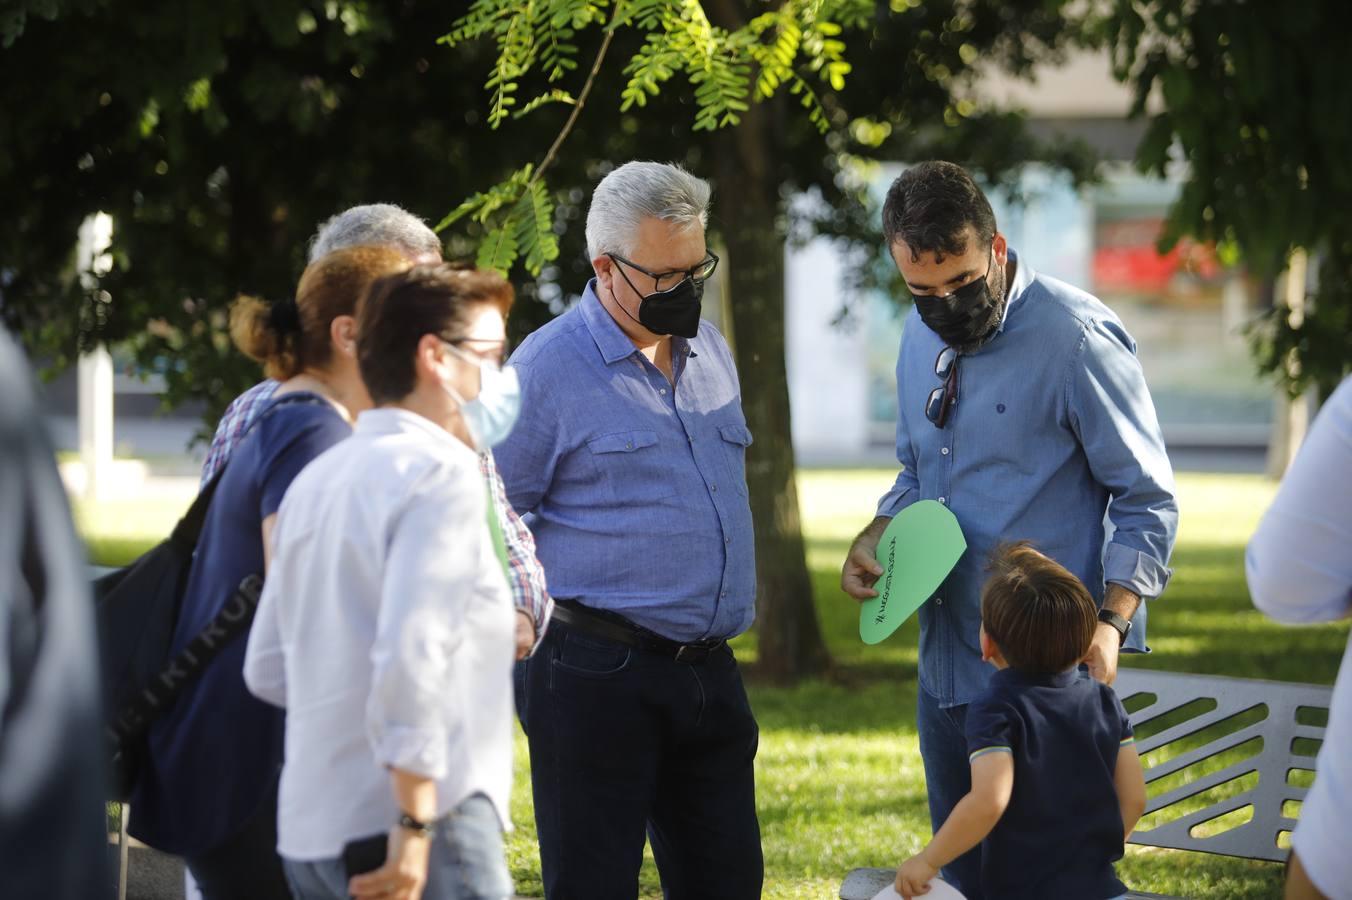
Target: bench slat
{"points": [[1203, 784], [1193, 726], [1198, 754]]}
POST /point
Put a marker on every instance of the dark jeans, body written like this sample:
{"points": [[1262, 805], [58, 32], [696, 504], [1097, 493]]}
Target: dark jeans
{"points": [[520, 674], [245, 866], [624, 741], [948, 778]]}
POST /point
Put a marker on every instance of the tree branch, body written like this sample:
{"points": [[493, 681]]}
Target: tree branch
{"points": [[581, 99]]}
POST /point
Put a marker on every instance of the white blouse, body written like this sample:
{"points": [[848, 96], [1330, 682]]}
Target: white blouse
{"points": [[1299, 565], [386, 632]]}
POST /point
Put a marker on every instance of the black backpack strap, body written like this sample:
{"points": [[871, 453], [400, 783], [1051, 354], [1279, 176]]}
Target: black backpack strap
{"points": [[232, 620], [189, 528]]}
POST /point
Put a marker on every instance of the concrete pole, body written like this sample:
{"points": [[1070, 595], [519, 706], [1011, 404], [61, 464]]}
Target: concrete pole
{"points": [[95, 369], [95, 377]]}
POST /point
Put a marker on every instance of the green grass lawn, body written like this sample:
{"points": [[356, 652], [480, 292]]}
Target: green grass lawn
{"points": [[839, 778], [117, 531]]}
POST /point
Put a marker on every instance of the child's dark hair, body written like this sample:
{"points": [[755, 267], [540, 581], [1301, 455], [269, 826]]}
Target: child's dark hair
{"points": [[1039, 614]]}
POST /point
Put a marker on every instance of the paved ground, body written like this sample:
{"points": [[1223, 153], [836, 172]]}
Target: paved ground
{"points": [[151, 875]]}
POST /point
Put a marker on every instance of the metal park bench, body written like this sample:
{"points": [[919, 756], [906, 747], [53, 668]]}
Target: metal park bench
{"points": [[1227, 760]]}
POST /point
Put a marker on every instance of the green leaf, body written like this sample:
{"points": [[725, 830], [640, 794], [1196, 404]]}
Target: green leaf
{"points": [[554, 96], [534, 219], [483, 205], [498, 251]]}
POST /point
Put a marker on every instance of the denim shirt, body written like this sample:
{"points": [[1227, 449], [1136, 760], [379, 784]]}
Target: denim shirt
{"points": [[1053, 427], [635, 487]]}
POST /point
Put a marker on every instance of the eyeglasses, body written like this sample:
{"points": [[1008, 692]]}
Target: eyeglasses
{"points": [[698, 274], [942, 398], [490, 350]]}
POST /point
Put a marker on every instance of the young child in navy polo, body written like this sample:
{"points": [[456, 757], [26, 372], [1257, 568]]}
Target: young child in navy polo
{"points": [[1056, 781]]}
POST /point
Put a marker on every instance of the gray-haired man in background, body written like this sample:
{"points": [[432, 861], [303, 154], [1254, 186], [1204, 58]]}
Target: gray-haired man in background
{"points": [[387, 225]]}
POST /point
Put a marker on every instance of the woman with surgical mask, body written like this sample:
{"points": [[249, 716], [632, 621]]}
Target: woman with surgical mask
{"points": [[386, 627]]}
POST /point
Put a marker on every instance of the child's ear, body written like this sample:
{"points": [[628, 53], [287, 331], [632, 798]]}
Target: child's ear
{"points": [[989, 650]]}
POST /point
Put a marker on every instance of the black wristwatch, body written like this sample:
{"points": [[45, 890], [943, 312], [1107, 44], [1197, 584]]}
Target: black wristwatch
{"points": [[423, 829], [1122, 625]]}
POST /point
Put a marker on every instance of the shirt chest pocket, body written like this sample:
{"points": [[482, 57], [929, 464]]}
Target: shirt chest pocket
{"points": [[736, 437], [631, 468]]}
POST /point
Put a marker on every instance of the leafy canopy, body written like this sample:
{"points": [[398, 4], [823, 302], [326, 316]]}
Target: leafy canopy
{"points": [[791, 47], [1253, 98]]}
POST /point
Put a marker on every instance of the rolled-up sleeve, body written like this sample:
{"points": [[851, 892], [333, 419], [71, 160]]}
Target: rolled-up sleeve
{"points": [[902, 493], [264, 661], [436, 547], [1299, 560], [1110, 409], [264, 658]]}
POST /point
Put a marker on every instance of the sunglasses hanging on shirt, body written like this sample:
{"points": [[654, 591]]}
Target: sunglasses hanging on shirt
{"points": [[942, 398]]}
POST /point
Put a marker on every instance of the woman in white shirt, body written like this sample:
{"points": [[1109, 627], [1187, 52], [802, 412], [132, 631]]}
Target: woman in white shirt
{"points": [[386, 627], [1299, 565]]}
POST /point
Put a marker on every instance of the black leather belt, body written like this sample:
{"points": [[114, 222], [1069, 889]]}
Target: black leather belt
{"points": [[616, 628]]}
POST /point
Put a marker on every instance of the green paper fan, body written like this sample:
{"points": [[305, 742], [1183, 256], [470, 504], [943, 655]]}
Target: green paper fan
{"points": [[917, 551]]}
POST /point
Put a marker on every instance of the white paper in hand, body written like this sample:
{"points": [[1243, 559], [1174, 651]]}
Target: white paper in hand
{"points": [[938, 890]]}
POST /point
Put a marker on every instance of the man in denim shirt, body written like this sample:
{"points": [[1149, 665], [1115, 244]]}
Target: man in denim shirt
{"points": [[1023, 408], [628, 462]]}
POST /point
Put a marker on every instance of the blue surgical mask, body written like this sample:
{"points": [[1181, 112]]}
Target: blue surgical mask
{"points": [[491, 415]]}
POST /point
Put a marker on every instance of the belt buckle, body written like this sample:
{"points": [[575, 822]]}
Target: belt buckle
{"points": [[692, 653]]}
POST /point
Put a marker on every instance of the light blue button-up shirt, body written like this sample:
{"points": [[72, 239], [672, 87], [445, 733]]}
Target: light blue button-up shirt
{"points": [[635, 487], [1053, 426]]}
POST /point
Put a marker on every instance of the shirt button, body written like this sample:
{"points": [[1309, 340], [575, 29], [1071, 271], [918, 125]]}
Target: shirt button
{"points": [[727, 540], [662, 391], [938, 601], [723, 596], [943, 500], [944, 451], [629, 445], [714, 488]]}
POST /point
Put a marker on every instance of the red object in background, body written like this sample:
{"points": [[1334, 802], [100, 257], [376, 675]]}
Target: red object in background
{"points": [[1126, 258]]}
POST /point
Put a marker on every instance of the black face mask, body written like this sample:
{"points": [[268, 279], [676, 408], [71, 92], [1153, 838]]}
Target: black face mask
{"points": [[966, 318], [673, 311]]}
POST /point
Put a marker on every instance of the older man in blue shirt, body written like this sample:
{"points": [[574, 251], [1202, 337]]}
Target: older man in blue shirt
{"points": [[628, 461], [1023, 408]]}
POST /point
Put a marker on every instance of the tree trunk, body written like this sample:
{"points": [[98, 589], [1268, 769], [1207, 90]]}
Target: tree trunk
{"points": [[1293, 415], [747, 206]]}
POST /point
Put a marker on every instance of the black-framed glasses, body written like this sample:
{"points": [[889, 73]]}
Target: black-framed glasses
{"points": [[942, 398], [699, 273]]}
